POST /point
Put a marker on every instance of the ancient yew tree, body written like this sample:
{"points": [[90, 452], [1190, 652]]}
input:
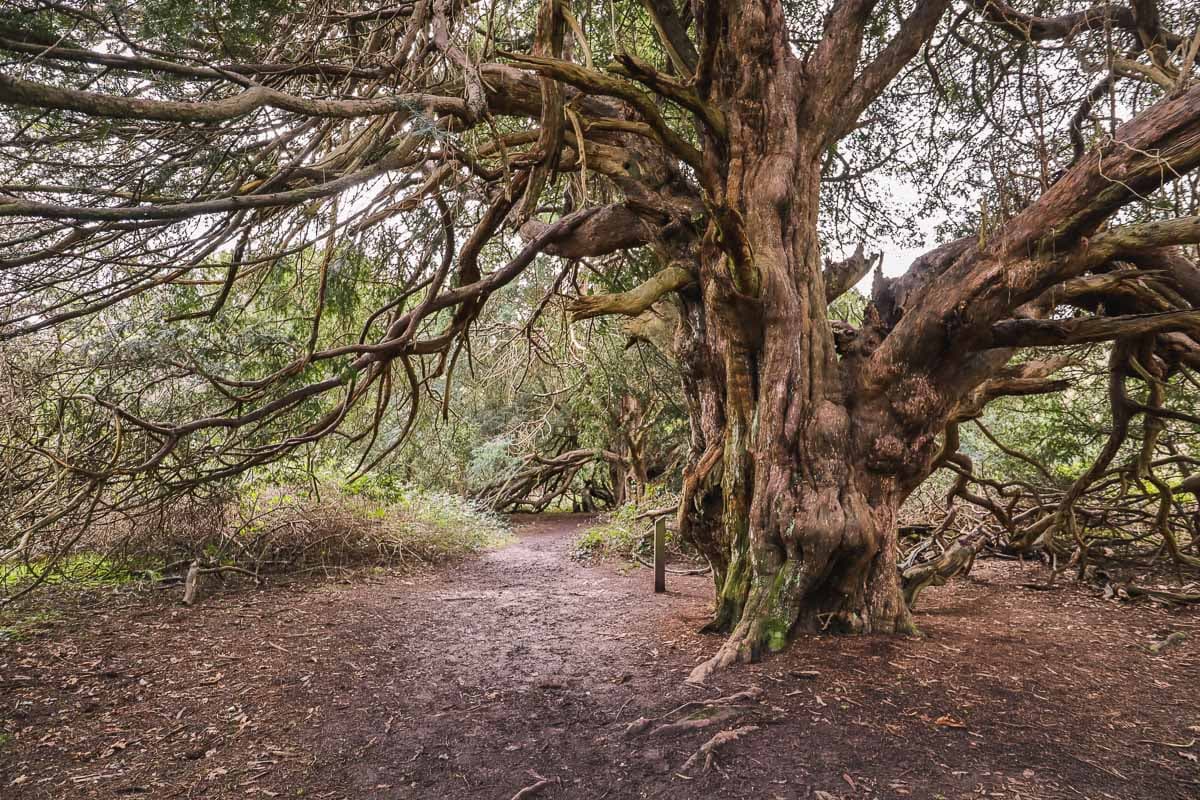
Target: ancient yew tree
{"points": [[161, 161]]}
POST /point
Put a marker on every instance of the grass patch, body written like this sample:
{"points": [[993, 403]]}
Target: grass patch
{"points": [[84, 569], [19, 628], [365, 526]]}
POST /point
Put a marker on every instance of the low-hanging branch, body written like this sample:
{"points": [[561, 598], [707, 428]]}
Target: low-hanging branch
{"points": [[205, 270], [17, 91]]}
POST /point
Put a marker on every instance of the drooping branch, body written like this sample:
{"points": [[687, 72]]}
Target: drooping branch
{"points": [[547, 43], [21, 92], [540, 480], [400, 156], [475, 97]]}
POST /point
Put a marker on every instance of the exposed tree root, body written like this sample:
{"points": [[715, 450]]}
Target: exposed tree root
{"points": [[727, 656], [1160, 595], [723, 707], [693, 723], [771, 614], [533, 788], [709, 748]]}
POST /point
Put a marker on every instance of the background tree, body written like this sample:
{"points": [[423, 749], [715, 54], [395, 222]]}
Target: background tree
{"points": [[168, 163]]}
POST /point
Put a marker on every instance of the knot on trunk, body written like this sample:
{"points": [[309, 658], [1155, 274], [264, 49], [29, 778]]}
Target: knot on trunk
{"points": [[887, 454], [916, 401]]}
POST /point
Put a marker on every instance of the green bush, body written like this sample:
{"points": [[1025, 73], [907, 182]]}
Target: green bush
{"points": [[619, 535], [83, 569]]}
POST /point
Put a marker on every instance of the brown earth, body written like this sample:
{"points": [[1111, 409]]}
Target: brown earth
{"points": [[468, 682]]}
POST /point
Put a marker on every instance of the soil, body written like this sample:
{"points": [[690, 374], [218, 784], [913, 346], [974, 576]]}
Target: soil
{"points": [[478, 680]]}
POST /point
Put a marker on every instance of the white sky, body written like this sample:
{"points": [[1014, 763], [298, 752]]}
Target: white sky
{"points": [[896, 258]]}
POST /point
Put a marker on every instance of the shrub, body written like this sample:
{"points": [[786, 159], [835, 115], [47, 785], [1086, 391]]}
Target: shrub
{"points": [[273, 529], [361, 526], [620, 534]]}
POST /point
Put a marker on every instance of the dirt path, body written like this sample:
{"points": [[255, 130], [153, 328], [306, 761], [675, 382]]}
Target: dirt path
{"points": [[462, 683]]}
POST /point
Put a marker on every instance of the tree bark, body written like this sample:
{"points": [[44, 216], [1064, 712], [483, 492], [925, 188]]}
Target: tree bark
{"points": [[702, 515], [808, 484]]}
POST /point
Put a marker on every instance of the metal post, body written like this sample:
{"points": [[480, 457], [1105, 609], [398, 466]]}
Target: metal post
{"points": [[660, 555]]}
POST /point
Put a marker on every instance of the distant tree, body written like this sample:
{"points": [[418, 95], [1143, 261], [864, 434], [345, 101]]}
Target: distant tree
{"points": [[162, 159]]}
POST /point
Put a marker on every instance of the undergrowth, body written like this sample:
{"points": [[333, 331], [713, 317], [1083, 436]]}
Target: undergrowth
{"points": [[619, 534], [264, 530], [80, 569]]}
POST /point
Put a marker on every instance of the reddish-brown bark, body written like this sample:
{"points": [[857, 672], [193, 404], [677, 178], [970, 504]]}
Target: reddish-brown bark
{"points": [[817, 451], [805, 436]]}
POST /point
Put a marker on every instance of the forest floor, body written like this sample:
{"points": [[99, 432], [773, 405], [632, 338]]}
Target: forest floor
{"points": [[472, 681]]}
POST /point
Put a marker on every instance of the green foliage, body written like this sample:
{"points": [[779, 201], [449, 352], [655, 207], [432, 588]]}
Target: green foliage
{"points": [[232, 27], [21, 626], [1063, 431], [849, 307], [619, 535], [610, 540], [270, 528], [84, 569], [491, 461]]}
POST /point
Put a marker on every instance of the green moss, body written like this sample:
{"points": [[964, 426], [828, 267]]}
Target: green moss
{"points": [[782, 603], [775, 634], [731, 598]]}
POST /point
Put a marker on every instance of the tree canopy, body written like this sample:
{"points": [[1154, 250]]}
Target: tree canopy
{"points": [[231, 230]]}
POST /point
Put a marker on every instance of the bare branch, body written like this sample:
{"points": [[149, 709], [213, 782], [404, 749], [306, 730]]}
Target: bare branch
{"points": [[1050, 333], [636, 300]]}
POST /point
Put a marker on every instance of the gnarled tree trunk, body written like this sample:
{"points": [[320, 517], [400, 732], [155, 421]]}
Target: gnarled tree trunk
{"points": [[809, 486]]}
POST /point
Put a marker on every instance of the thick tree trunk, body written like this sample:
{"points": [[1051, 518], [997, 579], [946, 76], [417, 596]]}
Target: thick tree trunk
{"points": [[810, 484], [810, 465], [809, 499]]}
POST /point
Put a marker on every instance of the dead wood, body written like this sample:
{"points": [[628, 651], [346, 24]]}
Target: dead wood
{"points": [[191, 583], [957, 560], [1174, 638]]}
